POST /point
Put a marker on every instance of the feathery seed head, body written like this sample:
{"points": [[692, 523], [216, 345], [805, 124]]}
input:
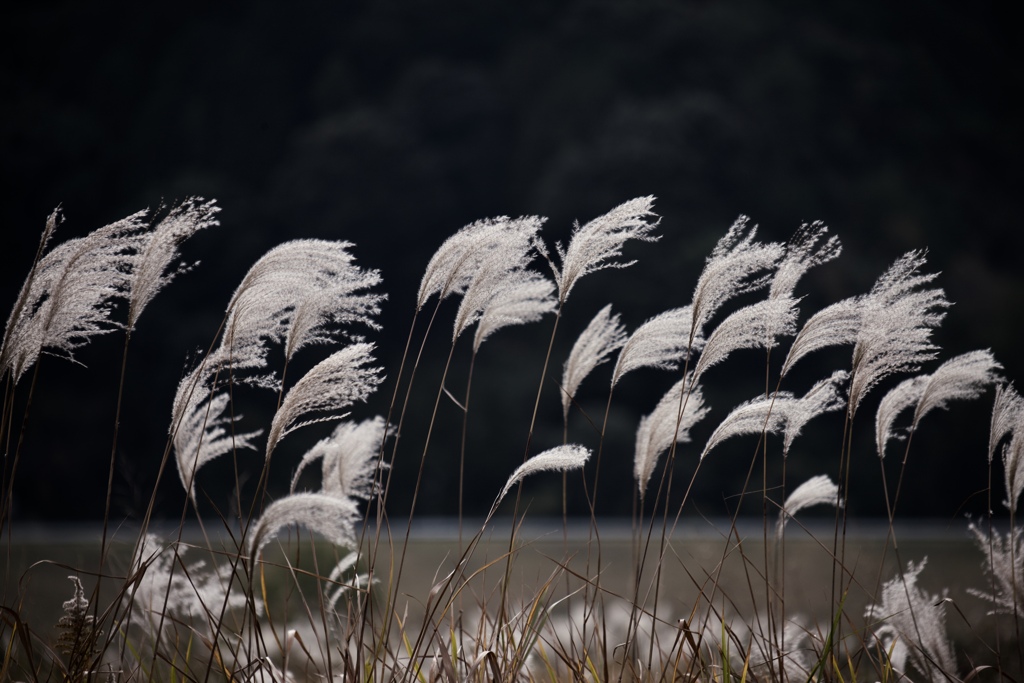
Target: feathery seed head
{"points": [[602, 336], [1007, 414], [156, 268], [754, 326], [199, 427], [896, 325], [803, 253], [662, 342], [501, 288], [68, 295], [523, 297], [780, 412], [835, 325], [819, 490], [477, 247], [331, 385], [666, 425], [559, 458], [593, 246], [919, 620], [962, 377], [332, 517], [298, 293], [736, 265], [349, 458]]}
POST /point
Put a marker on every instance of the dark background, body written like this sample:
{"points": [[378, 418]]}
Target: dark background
{"points": [[392, 124]]}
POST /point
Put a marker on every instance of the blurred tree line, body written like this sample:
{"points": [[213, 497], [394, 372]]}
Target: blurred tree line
{"points": [[393, 123]]}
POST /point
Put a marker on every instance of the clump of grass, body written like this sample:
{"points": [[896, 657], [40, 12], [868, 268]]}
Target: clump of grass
{"points": [[264, 603]]}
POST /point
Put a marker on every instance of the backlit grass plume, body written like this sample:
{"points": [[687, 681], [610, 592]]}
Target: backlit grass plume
{"points": [[332, 385], [898, 317], [525, 297], [662, 342], [1007, 416], [500, 279], [330, 516], [1007, 429], [595, 245], [68, 295], [202, 428], [297, 294], [755, 326], [962, 377], [803, 252], [917, 620], [461, 257], [819, 490], [559, 458], [781, 412], [1003, 567], [348, 458], [602, 336], [156, 266], [835, 325], [738, 264], [664, 426]]}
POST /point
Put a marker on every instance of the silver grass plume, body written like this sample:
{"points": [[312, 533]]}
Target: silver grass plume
{"points": [[67, 297], [501, 288], [524, 297], [1004, 566], [297, 294], [156, 268], [168, 585], [334, 383], [835, 325], [332, 517], [803, 252], [9, 347], [825, 396], [737, 265], [895, 332], [781, 412], [754, 326], [1013, 469], [560, 458], [459, 258], [664, 426], [819, 490], [199, 428], [761, 414], [595, 245], [602, 336], [1008, 420], [918, 619], [348, 458], [963, 377], [662, 342], [1007, 412]]}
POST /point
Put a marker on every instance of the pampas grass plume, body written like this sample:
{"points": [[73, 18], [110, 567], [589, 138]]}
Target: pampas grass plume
{"points": [[560, 458], [602, 336], [331, 385]]}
